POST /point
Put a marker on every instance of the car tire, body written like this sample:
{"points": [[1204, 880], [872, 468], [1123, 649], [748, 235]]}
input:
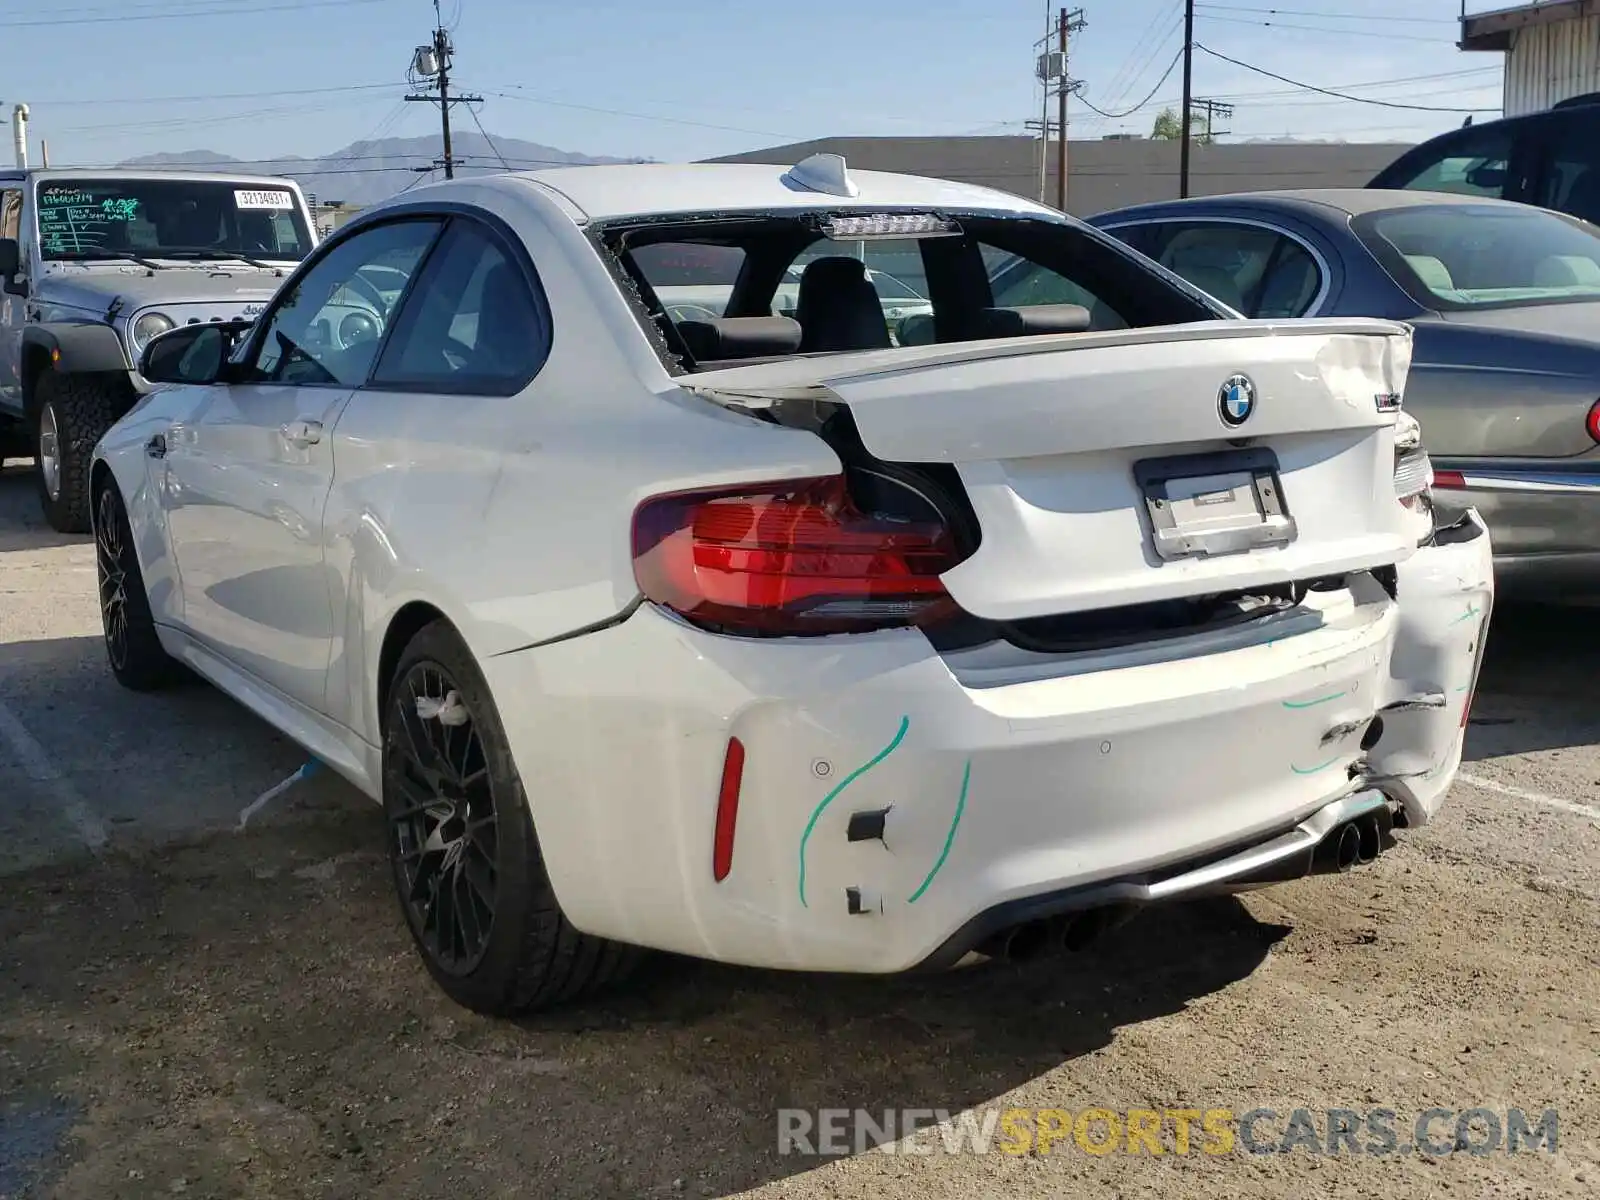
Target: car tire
{"points": [[73, 412], [466, 862], [132, 648]]}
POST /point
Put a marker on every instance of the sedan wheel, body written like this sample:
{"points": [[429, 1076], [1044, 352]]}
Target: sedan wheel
{"points": [[133, 649], [467, 865], [109, 553], [443, 818]]}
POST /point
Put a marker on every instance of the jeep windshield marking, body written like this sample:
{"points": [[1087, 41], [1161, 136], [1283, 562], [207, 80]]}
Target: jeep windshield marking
{"points": [[139, 219]]}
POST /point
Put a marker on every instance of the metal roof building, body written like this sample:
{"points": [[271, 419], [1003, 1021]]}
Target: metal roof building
{"points": [[1552, 50], [1102, 174]]}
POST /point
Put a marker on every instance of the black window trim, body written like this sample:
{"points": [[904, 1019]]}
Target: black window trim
{"points": [[249, 353], [445, 212], [509, 245], [1553, 134], [1320, 260]]}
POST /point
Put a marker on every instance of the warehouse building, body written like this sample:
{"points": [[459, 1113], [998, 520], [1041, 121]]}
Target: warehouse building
{"points": [[1105, 174], [1552, 50]]}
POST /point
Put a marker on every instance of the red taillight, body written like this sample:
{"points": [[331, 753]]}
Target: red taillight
{"points": [[727, 810], [1448, 479], [1592, 422], [790, 557]]}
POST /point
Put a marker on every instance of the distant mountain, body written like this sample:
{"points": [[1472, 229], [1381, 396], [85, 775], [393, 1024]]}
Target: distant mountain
{"points": [[366, 172]]}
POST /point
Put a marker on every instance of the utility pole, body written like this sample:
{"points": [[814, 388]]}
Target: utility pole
{"points": [[1214, 110], [432, 62], [1188, 98], [1052, 68]]}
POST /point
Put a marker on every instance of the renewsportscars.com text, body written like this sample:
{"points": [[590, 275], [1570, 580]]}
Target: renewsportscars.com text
{"points": [[1181, 1131]]}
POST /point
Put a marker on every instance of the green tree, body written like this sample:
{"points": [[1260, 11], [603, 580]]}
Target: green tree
{"points": [[1169, 127]]}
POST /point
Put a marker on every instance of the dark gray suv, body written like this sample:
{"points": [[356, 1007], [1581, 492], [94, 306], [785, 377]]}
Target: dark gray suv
{"points": [[1549, 158]]}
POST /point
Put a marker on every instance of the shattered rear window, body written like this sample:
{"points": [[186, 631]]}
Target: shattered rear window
{"points": [[714, 289]]}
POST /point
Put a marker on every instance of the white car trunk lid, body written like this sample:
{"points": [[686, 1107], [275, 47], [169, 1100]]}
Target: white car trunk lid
{"points": [[1101, 467]]}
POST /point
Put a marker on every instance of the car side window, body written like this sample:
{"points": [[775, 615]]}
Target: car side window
{"points": [[1143, 238], [326, 330], [1477, 163], [471, 325], [1572, 177], [11, 213], [1258, 271], [1018, 282]]}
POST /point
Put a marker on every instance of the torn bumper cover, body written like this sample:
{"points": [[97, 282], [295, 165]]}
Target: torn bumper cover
{"points": [[895, 802]]}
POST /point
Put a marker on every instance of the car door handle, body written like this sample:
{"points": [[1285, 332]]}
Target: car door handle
{"points": [[302, 433], [156, 447]]}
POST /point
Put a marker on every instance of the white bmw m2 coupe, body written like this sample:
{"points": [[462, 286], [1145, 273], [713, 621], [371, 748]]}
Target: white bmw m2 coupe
{"points": [[762, 639]]}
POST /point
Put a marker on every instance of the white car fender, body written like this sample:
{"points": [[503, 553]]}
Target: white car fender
{"points": [[124, 450]]}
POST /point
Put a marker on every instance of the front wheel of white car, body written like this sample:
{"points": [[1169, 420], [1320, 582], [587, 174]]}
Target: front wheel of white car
{"points": [[465, 858], [133, 649]]}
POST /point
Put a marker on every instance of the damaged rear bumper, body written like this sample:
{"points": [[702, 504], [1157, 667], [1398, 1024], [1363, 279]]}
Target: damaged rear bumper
{"points": [[1446, 592], [894, 802]]}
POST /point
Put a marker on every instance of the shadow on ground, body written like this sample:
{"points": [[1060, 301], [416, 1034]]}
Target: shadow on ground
{"points": [[1537, 690], [246, 1014], [22, 523]]}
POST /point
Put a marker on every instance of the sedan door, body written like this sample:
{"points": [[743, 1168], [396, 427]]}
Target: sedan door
{"points": [[423, 446], [248, 471]]}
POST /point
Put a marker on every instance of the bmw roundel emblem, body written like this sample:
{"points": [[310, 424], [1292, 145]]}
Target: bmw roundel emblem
{"points": [[1236, 400]]}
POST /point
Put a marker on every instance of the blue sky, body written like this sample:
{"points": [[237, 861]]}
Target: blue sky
{"points": [[683, 79]]}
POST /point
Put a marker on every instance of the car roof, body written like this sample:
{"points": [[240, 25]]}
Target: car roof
{"points": [[1351, 202], [610, 191]]}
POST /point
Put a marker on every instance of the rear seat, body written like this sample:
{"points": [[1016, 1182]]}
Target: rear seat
{"points": [[1032, 320], [740, 337]]}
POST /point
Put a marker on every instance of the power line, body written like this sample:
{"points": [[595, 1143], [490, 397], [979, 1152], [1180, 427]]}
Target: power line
{"points": [[1309, 87], [186, 14], [618, 112], [1374, 83], [1372, 33], [123, 101], [1165, 75], [160, 123], [1338, 16], [473, 113], [1283, 99], [1145, 51]]}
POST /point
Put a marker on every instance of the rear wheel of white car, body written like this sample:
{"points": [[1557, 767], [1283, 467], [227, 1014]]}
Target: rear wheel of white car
{"points": [[73, 412], [466, 860], [134, 651]]}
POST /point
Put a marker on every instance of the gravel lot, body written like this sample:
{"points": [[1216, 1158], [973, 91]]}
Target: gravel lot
{"points": [[187, 1009]]}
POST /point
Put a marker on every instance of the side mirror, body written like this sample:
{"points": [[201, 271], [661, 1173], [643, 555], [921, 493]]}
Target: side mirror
{"points": [[1486, 177], [10, 266], [195, 354]]}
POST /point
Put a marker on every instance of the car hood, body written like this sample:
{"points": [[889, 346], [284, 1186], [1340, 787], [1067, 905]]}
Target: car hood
{"points": [[97, 287]]}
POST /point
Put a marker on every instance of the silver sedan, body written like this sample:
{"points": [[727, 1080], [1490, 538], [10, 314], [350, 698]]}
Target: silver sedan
{"points": [[1505, 302]]}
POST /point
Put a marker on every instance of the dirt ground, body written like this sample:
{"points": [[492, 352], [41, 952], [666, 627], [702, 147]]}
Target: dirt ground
{"points": [[188, 1009]]}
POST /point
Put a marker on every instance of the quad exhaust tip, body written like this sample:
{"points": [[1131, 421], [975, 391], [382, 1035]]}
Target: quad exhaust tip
{"points": [[1064, 934], [1354, 843]]}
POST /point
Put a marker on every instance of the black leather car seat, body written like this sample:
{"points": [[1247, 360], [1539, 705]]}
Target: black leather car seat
{"points": [[838, 308]]}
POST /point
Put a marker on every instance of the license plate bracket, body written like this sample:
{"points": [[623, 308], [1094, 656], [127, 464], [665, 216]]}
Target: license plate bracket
{"points": [[1202, 505]]}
